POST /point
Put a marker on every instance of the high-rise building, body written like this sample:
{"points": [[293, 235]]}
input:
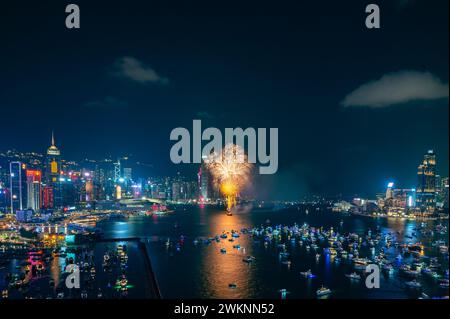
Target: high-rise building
{"points": [[404, 198], [204, 183], [443, 194], [34, 201], [176, 191], [18, 182], [53, 169], [127, 174], [47, 198], [426, 183], [389, 191]]}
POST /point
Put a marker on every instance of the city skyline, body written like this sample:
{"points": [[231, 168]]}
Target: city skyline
{"points": [[297, 67], [53, 150]]}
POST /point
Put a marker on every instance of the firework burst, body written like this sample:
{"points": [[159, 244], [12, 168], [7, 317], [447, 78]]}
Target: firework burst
{"points": [[231, 172]]}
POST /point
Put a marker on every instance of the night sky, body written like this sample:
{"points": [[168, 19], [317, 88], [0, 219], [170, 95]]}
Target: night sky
{"points": [[137, 69]]}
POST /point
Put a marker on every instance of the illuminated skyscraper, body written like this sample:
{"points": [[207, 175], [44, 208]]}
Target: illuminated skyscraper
{"points": [[426, 183], [389, 191], [18, 182], [204, 183], [53, 163], [34, 189], [47, 201], [53, 169]]}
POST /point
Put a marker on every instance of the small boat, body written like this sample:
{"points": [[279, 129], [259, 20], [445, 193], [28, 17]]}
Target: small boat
{"points": [[307, 274], [353, 276], [323, 291], [286, 262], [413, 284], [283, 292], [248, 259], [388, 268], [444, 284]]}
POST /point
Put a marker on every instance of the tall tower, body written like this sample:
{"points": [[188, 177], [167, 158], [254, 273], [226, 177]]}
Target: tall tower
{"points": [[426, 183], [53, 168]]}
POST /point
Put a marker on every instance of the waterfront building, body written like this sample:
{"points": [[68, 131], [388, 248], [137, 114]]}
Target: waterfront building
{"points": [[127, 174], [34, 179], [24, 216], [18, 182], [47, 198], [442, 196], [426, 183], [205, 184]]}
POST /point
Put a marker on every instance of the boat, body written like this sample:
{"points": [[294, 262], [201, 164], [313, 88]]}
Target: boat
{"points": [[122, 283], [307, 274], [248, 259], [413, 284], [353, 276], [388, 267], [444, 284], [286, 262], [323, 291]]}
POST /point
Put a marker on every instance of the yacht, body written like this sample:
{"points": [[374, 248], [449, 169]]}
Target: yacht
{"points": [[323, 291]]}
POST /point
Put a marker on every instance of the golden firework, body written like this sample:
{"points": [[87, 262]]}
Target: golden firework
{"points": [[231, 172]]}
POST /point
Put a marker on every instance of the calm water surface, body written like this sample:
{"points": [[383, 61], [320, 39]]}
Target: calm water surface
{"points": [[186, 270]]}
